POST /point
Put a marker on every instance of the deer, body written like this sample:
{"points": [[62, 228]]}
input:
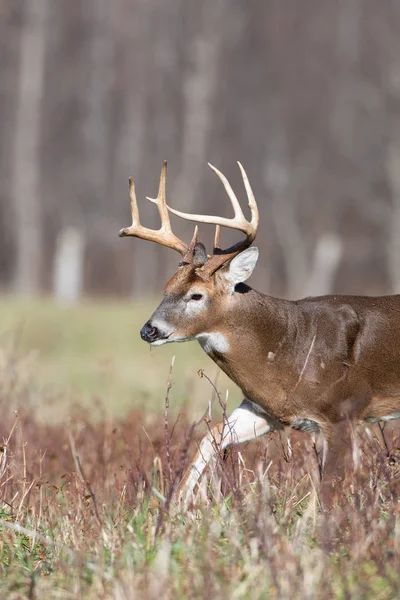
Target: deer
{"points": [[314, 364]]}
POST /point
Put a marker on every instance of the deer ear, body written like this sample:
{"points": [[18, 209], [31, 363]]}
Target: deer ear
{"points": [[199, 255], [241, 267]]}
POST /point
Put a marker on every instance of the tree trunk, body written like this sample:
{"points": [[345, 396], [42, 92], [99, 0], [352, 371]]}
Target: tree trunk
{"points": [[393, 249], [26, 157]]}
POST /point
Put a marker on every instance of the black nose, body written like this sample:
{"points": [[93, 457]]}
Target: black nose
{"points": [[148, 333]]}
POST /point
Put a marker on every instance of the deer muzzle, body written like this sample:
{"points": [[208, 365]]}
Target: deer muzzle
{"points": [[149, 333]]}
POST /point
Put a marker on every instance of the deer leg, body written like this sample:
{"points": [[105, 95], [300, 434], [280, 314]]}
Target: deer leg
{"points": [[338, 437], [338, 444], [247, 422]]}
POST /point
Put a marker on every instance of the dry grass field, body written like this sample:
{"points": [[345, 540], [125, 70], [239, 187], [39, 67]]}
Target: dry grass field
{"points": [[86, 484]]}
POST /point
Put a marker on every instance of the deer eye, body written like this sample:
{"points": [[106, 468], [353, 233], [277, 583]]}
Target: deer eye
{"points": [[196, 297]]}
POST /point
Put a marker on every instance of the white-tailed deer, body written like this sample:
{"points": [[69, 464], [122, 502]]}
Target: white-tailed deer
{"points": [[313, 364]]}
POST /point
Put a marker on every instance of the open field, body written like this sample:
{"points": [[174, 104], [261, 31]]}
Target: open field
{"points": [[86, 508], [92, 355]]}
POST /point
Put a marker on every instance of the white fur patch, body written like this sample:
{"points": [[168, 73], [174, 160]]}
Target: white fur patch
{"points": [[213, 342], [160, 342], [194, 307], [245, 423], [385, 418], [165, 329], [162, 326], [391, 417], [307, 425]]}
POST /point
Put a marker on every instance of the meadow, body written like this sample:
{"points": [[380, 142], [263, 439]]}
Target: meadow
{"points": [[96, 430]]}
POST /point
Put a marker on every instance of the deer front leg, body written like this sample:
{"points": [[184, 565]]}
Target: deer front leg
{"points": [[247, 422]]}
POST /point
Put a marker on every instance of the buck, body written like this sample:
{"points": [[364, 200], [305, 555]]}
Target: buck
{"points": [[313, 364]]}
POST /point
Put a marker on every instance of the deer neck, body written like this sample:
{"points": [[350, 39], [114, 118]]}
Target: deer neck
{"points": [[253, 329]]}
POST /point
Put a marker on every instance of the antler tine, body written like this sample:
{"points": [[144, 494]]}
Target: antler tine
{"points": [[125, 231], [255, 216], [231, 194], [195, 239], [238, 221], [161, 200], [164, 235], [188, 257], [134, 206], [217, 238]]}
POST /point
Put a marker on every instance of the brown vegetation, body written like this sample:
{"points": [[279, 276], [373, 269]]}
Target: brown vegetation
{"points": [[86, 512]]}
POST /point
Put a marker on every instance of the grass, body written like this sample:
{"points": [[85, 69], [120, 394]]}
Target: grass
{"points": [[86, 509]]}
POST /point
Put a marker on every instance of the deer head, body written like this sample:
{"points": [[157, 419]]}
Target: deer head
{"points": [[197, 296]]}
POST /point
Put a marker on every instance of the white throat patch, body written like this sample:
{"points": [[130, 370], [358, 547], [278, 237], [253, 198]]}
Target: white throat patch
{"points": [[213, 342]]}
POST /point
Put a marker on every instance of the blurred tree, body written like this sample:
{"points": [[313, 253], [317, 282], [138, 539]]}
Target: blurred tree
{"points": [[26, 189], [305, 95]]}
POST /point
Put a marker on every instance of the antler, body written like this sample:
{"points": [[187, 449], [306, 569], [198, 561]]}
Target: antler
{"points": [[238, 222], [164, 235]]}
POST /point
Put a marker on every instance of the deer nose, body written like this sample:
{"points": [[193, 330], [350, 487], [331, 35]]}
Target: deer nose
{"points": [[148, 333]]}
